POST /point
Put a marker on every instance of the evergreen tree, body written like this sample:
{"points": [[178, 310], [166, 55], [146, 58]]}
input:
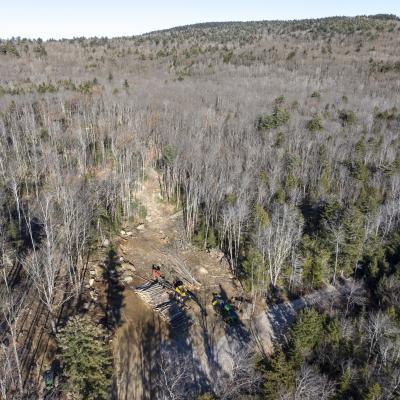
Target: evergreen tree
{"points": [[261, 215], [253, 266], [315, 124], [315, 263], [85, 359], [368, 199], [332, 211], [354, 240], [279, 117], [279, 377], [306, 334], [374, 261], [344, 385], [374, 392], [347, 117]]}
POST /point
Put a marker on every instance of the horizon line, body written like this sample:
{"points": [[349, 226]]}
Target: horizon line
{"points": [[194, 24]]}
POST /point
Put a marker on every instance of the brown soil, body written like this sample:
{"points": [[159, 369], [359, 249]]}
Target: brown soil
{"points": [[209, 348], [137, 345], [142, 340]]}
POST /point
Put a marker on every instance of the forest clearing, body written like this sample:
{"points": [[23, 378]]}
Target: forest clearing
{"points": [[209, 350]]}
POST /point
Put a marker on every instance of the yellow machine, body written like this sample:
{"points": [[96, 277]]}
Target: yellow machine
{"points": [[180, 290]]}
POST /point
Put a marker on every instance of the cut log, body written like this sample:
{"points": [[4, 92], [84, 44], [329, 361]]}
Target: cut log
{"points": [[158, 298]]}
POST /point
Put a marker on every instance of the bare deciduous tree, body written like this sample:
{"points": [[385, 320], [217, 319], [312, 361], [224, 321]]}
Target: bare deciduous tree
{"points": [[312, 385], [279, 238], [174, 376], [12, 310]]}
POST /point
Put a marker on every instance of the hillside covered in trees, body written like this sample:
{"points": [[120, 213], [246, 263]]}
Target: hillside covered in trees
{"points": [[280, 144]]}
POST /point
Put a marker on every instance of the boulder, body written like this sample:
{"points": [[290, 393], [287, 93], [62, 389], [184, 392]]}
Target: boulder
{"points": [[128, 267], [203, 271], [140, 227], [128, 279]]}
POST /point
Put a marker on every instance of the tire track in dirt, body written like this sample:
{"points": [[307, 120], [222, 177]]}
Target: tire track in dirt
{"points": [[144, 344]]}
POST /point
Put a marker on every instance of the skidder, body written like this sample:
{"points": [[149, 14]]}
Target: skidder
{"points": [[224, 309]]}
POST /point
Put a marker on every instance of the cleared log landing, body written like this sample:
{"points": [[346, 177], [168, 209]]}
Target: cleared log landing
{"points": [[161, 302]]}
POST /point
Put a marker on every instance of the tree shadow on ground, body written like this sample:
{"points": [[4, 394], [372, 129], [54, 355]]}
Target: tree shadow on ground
{"points": [[223, 343], [179, 357], [209, 330], [138, 358], [114, 291], [155, 357], [281, 316]]}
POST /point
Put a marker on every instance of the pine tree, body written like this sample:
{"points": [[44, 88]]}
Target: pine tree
{"points": [[374, 392], [344, 385], [279, 377], [315, 263], [332, 211], [85, 359], [261, 215], [306, 334], [315, 124], [374, 260], [253, 266], [354, 240]]}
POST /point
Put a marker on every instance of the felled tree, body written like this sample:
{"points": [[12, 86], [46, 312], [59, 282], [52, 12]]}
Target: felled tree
{"points": [[85, 359]]}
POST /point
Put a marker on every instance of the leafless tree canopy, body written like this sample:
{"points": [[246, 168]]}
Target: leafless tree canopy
{"points": [[279, 140]]}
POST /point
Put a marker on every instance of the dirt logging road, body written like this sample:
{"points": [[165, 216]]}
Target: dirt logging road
{"points": [[152, 357]]}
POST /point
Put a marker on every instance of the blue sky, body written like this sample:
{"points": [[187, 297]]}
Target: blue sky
{"points": [[69, 18]]}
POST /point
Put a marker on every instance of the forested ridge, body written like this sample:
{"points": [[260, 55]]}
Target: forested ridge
{"points": [[279, 141]]}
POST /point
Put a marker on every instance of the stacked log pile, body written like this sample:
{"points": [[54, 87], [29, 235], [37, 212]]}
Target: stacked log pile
{"points": [[169, 309]]}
